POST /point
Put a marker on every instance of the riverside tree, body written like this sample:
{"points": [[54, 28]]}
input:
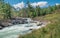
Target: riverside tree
{"points": [[5, 9]]}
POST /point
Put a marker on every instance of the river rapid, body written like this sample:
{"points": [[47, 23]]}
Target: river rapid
{"points": [[15, 30]]}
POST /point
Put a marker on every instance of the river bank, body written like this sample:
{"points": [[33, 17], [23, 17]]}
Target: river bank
{"points": [[21, 29]]}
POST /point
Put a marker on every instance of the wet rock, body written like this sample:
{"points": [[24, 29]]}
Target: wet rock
{"points": [[19, 21], [4, 24], [30, 29], [14, 21], [0, 27], [39, 24]]}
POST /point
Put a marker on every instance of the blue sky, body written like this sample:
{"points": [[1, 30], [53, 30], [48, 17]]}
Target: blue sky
{"points": [[51, 2]]}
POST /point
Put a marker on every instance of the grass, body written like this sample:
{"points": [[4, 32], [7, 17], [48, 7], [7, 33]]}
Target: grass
{"points": [[52, 30]]}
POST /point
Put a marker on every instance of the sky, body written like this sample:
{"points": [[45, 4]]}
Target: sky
{"points": [[41, 3]]}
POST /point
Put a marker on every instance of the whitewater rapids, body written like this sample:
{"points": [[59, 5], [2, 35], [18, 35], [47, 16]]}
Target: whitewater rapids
{"points": [[15, 30], [20, 29]]}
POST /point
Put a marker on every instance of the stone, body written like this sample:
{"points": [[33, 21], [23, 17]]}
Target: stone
{"points": [[0, 27]]}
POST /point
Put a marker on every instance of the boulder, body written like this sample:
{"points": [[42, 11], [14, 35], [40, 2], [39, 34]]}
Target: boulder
{"points": [[1, 27]]}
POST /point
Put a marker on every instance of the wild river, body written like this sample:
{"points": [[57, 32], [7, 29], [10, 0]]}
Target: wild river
{"points": [[15, 30]]}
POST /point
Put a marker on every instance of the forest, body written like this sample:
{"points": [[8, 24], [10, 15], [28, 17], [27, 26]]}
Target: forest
{"points": [[7, 11]]}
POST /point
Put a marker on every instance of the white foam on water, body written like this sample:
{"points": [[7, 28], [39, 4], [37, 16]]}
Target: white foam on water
{"points": [[11, 36], [15, 30]]}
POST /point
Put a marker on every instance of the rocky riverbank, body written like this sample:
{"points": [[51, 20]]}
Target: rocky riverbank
{"points": [[11, 28], [15, 21]]}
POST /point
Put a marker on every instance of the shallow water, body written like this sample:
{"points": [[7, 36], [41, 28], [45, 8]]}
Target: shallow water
{"points": [[15, 30]]}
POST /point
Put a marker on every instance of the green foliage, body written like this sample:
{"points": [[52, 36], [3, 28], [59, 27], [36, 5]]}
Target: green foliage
{"points": [[30, 10], [5, 10], [37, 11], [52, 30]]}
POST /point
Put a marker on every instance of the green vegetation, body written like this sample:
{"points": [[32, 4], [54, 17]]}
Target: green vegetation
{"points": [[7, 11], [52, 30], [50, 13]]}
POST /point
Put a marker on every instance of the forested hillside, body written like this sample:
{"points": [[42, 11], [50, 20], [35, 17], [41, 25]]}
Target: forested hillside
{"points": [[7, 11]]}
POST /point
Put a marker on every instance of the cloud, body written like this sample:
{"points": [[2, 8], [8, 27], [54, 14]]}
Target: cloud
{"points": [[57, 4], [19, 5], [22, 4], [42, 3], [34, 4]]}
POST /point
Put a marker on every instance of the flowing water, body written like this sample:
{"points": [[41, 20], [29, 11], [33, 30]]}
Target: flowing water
{"points": [[15, 30]]}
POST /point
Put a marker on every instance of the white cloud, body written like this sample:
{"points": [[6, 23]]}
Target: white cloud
{"points": [[42, 3], [34, 4], [19, 5], [57, 4], [22, 4]]}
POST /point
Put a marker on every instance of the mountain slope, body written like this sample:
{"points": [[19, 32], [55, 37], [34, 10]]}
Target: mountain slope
{"points": [[52, 30]]}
